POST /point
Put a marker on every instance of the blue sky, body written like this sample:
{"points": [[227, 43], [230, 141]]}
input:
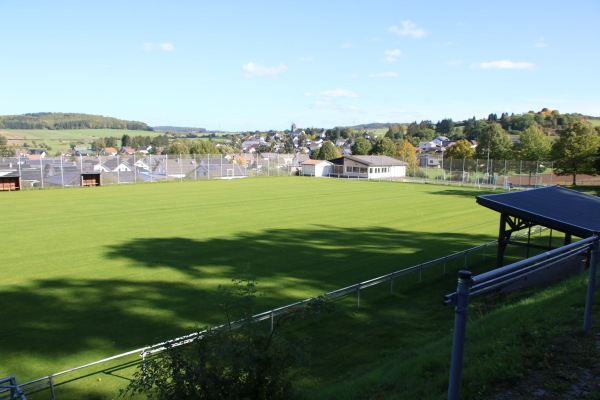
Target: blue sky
{"points": [[238, 65]]}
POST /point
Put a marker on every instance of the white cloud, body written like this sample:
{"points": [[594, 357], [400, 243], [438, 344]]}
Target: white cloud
{"points": [[254, 70], [408, 28], [346, 45], [541, 43], [149, 46], [455, 63], [392, 55], [339, 93], [388, 74], [167, 47], [306, 58], [504, 64]]}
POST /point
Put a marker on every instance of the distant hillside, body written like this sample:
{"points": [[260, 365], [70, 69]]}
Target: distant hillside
{"points": [[178, 129], [60, 121]]}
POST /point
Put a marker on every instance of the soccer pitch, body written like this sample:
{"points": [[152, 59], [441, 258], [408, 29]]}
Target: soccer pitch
{"points": [[93, 272]]}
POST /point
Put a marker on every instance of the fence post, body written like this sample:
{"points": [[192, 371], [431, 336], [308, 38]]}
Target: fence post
{"points": [[358, 296], [591, 285], [460, 327]]}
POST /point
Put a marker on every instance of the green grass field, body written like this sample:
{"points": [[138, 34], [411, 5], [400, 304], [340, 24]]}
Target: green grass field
{"points": [[59, 140], [93, 272]]}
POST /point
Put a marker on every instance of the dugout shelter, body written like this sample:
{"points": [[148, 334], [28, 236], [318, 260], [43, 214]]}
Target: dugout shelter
{"points": [[554, 207]]}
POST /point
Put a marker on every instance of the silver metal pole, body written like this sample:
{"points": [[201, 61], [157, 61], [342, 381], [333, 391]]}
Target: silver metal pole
{"points": [[460, 328]]}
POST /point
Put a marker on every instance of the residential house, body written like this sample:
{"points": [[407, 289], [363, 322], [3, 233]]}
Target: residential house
{"points": [[429, 160], [427, 146], [127, 150], [110, 151], [174, 167], [144, 149]]}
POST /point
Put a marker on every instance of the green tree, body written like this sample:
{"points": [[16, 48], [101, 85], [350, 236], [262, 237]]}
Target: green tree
{"points": [[361, 147], [394, 132], [98, 144], [3, 141], [494, 143], [178, 147], [236, 361], [459, 150], [203, 147], [445, 127], [126, 140], [533, 147], [327, 151], [112, 142], [384, 146], [573, 153]]}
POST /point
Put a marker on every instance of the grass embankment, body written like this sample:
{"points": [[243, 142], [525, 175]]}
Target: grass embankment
{"points": [[93, 272]]}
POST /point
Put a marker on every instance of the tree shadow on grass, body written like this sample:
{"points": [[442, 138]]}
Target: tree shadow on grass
{"points": [[47, 329]]}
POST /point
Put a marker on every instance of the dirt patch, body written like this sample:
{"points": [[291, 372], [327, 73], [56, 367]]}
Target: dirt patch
{"points": [[571, 370]]}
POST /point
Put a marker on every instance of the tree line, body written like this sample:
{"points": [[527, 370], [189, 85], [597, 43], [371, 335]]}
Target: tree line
{"points": [[575, 150], [57, 121]]}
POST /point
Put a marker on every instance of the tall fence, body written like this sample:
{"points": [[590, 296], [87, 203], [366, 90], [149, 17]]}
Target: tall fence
{"points": [[415, 274], [138, 168]]}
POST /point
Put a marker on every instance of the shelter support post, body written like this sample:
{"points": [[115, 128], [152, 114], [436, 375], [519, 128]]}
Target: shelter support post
{"points": [[593, 260], [460, 328], [503, 239]]}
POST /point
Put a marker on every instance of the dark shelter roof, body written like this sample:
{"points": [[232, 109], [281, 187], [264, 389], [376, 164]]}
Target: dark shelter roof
{"points": [[554, 207]]}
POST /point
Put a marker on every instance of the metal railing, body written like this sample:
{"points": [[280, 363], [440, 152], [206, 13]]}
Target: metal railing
{"points": [[459, 259], [469, 286]]}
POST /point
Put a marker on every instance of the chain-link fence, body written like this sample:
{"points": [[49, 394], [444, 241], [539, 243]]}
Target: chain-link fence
{"points": [[137, 168], [492, 173]]}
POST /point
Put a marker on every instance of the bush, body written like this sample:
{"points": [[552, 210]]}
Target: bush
{"points": [[239, 360]]}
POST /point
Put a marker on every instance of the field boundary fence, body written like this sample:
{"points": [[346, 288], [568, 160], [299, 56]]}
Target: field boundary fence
{"points": [[456, 261], [137, 168], [495, 280]]}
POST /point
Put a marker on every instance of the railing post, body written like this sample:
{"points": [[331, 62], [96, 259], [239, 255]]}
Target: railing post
{"points": [[51, 380], [587, 319], [358, 295], [272, 321], [445, 260], [460, 327]]}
